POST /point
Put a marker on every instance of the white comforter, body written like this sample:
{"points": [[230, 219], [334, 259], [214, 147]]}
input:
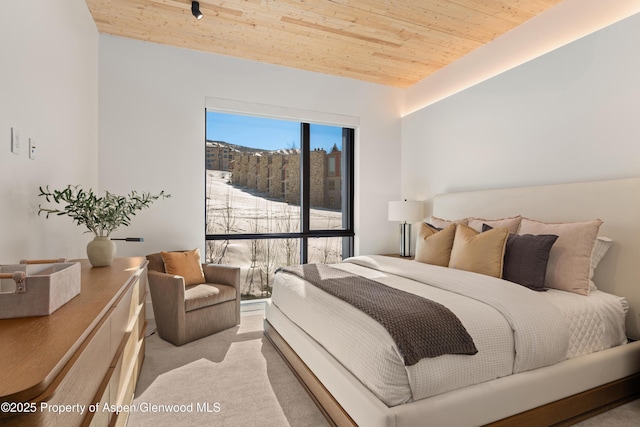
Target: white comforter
{"points": [[514, 329]]}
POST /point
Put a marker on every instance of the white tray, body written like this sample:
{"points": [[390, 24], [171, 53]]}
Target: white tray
{"points": [[37, 289]]}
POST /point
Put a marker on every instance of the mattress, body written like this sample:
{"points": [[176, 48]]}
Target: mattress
{"points": [[515, 332]]}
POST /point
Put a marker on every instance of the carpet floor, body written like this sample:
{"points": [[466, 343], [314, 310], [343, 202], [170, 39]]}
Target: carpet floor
{"points": [[236, 378], [233, 378]]}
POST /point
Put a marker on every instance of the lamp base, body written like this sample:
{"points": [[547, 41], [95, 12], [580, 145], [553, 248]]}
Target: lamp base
{"points": [[405, 239]]}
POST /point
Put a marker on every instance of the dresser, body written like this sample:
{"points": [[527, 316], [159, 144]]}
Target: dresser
{"points": [[77, 365]]}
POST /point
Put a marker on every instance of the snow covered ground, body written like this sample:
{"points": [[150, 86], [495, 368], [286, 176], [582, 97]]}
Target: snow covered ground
{"points": [[232, 209]]}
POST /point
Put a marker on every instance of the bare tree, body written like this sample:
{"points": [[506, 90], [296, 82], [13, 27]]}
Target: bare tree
{"points": [[329, 253], [222, 221], [268, 259], [289, 222], [254, 248], [227, 217]]}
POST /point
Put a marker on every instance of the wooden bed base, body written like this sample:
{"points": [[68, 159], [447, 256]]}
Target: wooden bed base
{"points": [[331, 409], [564, 412]]}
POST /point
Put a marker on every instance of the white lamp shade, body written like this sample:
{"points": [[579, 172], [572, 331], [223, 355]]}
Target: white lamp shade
{"points": [[406, 211]]}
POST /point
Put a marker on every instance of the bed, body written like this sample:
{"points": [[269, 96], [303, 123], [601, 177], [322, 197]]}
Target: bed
{"points": [[563, 385]]}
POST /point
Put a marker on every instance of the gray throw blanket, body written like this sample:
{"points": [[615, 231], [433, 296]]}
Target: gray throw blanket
{"points": [[420, 327]]}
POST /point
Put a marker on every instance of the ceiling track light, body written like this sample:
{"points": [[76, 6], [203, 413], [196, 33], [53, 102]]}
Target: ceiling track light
{"points": [[195, 9]]}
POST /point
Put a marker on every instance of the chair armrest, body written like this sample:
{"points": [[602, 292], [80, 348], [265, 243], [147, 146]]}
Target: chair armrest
{"points": [[167, 298], [166, 290], [222, 275], [167, 283]]}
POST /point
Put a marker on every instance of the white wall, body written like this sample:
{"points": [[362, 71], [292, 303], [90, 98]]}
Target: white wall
{"points": [[49, 92], [152, 101], [559, 25], [570, 115]]}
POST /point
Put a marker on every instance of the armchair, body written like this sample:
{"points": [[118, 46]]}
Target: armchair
{"points": [[187, 313]]}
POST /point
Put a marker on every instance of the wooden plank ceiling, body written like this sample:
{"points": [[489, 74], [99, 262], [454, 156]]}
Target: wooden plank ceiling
{"points": [[391, 42]]}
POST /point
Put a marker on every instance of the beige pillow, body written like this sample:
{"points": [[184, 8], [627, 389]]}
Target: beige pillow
{"points": [[434, 246], [443, 223], [569, 263], [479, 252], [512, 223], [186, 264]]}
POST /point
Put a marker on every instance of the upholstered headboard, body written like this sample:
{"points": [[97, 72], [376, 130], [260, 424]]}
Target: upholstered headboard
{"points": [[616, 202]]}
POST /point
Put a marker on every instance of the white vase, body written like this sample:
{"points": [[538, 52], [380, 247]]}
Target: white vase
{"points": [[101, 251]]}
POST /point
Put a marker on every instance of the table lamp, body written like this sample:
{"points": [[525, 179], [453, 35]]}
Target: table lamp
{"points": [[406, 212]]}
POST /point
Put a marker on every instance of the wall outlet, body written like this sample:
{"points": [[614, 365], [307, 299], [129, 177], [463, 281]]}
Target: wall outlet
{"points": [[32, 149], [15, 141]]}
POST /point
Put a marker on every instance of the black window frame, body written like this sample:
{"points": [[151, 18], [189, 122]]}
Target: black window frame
{"points": [[347, 232]]}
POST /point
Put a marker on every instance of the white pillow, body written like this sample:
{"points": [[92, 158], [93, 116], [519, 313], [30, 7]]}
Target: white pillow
{"points": [[600, 249]]}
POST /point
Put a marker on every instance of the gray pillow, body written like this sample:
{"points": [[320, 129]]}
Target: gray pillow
{"points": [[526, 257]]}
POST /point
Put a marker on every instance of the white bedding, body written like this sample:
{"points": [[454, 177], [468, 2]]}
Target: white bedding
{"points": [[489, 308]]}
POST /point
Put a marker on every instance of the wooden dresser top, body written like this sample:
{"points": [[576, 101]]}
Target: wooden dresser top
{"points": [[33, 350]]}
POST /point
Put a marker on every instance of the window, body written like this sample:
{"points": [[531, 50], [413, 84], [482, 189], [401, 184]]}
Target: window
{"points": [[285, 195]]}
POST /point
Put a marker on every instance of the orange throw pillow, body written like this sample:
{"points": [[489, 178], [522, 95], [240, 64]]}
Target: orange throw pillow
{"points": [[186, 264]]}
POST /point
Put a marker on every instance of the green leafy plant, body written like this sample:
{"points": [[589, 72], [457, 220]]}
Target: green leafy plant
{"points": [[100, 215]]}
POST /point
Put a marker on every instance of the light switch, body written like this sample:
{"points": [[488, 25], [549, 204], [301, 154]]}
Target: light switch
{"points": [[15, 141], [32, 149]]}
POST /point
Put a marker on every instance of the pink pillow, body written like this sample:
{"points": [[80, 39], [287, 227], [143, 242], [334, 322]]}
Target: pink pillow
{"points": [[570, 257], [512, 223]]}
